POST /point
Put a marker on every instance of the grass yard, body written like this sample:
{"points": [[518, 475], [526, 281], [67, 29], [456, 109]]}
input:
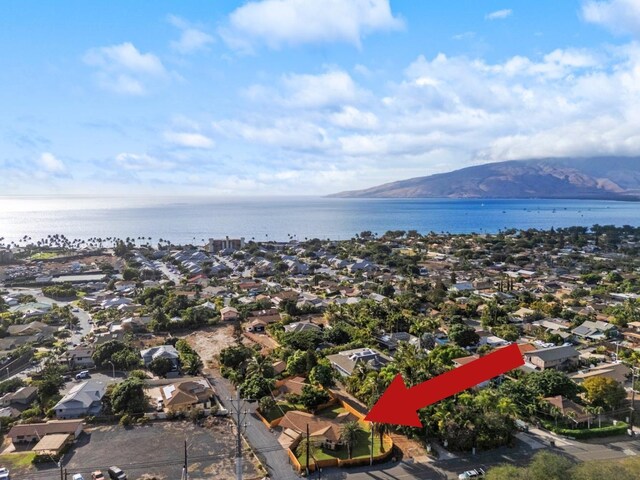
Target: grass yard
{"points": [[332, 412], [362, 448], [44, 255], [17, 462], [279, 410]]}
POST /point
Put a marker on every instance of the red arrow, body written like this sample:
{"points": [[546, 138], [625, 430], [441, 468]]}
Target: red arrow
{"points": [[399, 405]]}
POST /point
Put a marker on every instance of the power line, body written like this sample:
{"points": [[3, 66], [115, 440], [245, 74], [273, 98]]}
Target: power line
{"points": [[141, 465]]}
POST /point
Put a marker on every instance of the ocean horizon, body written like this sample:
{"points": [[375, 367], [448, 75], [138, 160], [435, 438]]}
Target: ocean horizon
{"points": [[192, 219]]}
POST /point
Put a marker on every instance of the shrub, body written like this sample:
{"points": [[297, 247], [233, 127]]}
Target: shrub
{"points": [[583, 434]]}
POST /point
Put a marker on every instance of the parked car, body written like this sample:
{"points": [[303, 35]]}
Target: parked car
{"points": [[97, 475], [77, 476], [4, 474], [470, 474], [82, 375], [116, 474]]}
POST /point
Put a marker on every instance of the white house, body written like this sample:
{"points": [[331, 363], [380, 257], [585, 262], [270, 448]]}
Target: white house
{"points": [[82, 400]]}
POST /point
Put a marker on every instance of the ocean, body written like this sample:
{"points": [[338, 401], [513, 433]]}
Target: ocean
{"points": [[193, 219]]}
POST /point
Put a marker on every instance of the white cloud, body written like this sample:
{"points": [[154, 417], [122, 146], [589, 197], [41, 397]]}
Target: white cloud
{"points": [[286, 133], [499, 14], [619, 16], [142, 162], [51, 164], [189, 140], [123, 68], [278, 23], [191, 39], [352, 118], [332, 88], [445, 113]]}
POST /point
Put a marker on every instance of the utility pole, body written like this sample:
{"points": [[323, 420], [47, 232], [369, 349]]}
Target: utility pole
{"points": [[633, 400], [65, 474], [61, 470], [240, 414], [185, 469], [308, 448], [371, 454]]}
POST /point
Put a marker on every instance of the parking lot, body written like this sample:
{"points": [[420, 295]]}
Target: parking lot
{"points": [[156, 451]]}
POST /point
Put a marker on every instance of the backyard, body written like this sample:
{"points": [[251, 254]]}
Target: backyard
{"points": [[361, 449], [279, 410]]}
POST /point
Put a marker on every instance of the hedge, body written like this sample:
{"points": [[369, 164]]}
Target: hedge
{"points": [[582, 434]]}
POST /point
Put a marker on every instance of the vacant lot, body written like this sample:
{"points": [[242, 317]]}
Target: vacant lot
{"points": [[208, 342], [157, 451]]}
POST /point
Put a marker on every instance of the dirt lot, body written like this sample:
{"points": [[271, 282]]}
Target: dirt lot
{"points": [[210, 341], [157, 451]]}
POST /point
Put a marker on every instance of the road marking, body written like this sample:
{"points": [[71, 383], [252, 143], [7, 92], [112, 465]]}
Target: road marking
{"points": [[629, 452]]}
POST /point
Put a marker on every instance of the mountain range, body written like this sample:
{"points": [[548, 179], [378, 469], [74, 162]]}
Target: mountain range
{"points": [[603, 178]]}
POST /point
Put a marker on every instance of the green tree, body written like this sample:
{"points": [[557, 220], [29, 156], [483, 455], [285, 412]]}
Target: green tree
{"points": [[161, 366], [312, 397], [124, 357], [127, 397], [255, 387], [463, 335], [350, 433], [235, 356], [548, 466], [604, 392], [323, 374], [266, 403]]}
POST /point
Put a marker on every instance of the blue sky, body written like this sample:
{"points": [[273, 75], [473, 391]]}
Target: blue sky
{"points": [[305, 96]]}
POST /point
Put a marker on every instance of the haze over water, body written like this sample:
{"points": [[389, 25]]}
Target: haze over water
{"points": [[181, 219]]}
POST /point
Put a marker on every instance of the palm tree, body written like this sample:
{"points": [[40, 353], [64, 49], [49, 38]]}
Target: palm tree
{"points": [[555, 412], [349, 435], [259, 366], [381, 429], [506, 406]]}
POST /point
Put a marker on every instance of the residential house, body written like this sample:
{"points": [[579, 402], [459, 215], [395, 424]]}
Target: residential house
{"points": [[288, 386], [163, 351], [570, 410], [188, 395], [32, 328], [21, 399], [390, 341], [559, 358], [229, 313], [303, 326], [598, 330], [82, 400], [616, 371], [79, 357], [322, 431], [346, 361], [34, 432], [257, 326]]}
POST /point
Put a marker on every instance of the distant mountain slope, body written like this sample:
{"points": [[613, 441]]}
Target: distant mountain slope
{"points": [[614, 178]]}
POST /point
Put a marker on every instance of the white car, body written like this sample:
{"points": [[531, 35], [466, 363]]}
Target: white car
{"points": [[4, 474], [77, 476], [471, 474]]}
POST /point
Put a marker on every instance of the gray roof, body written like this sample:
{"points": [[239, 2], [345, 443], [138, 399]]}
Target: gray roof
{"points": [[554, 353]]}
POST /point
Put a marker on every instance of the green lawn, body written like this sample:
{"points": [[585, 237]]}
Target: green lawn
{"points": [[17, 461], [362, 448], [332, 412], [44, 255], [279, 410]]}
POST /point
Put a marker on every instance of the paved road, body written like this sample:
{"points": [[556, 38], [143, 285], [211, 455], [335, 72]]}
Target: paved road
{"points": [[263, 442], [174, 277]]}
